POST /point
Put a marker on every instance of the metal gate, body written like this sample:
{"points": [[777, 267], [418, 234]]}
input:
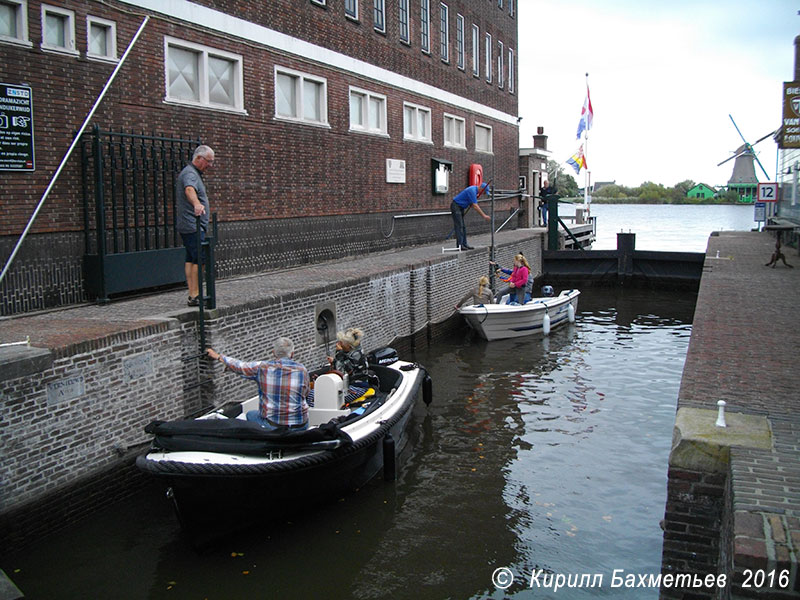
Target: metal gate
{"points": [[129, 209]]}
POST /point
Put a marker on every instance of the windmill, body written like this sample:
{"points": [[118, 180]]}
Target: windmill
{"points": [[743, 180]]}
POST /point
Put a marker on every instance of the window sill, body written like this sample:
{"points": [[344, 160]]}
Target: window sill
{"points": [[58, 50], [212, 107], [16, 42], [381, 134], [103, 59], [418, 141], [316, 124]]}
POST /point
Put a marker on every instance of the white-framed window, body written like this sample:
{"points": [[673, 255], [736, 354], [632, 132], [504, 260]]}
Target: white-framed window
{"points": [[483, 138], [351, 9], [511, 7], [367, 111], [425, 25], [488, 57], [511, 71], [319, 2], [460, 41], [499, 3], [58, 30], [476, 51], [201, 76], [101, 38], [379, 15], [14, 22], [444, 32], [455, 129], [416, 123], [500, 69], [405, 27], [301, 97]]}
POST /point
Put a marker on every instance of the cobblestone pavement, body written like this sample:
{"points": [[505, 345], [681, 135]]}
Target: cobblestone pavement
{"points": [[58, 328], [744, 349]]}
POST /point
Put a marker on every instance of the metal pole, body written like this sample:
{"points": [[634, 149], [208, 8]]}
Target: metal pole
{"points": [[491, 249], [585, 153], [209, 244], [71, 148], [200, 298]]}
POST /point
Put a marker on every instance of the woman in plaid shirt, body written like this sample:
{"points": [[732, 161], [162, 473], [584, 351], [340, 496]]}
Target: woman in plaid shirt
{"points": [[283, 386]]}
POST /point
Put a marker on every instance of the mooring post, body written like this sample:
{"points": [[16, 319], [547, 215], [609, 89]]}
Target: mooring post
{"points": [[626, 245], [552, 222]]}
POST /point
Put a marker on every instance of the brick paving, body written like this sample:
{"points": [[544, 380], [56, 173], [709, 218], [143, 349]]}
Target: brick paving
{"points": [[744, 349]]}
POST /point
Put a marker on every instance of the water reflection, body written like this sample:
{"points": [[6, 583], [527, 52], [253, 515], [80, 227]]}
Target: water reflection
{"points": [[535, 454]]}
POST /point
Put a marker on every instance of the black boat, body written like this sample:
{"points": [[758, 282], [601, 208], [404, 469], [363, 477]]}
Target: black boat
{"points": [[222, 460]]}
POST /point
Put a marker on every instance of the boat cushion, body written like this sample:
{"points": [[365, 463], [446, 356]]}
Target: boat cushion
{"points": [[235, 436]]}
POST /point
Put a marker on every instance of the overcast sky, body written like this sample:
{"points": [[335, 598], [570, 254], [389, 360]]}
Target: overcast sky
{"points": [[663, 78]]}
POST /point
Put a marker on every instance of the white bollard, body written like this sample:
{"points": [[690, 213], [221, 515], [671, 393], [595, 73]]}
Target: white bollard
{"points": [[721, 414]]}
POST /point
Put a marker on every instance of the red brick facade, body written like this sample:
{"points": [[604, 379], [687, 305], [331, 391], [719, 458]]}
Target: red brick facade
{"points": [[267, 168]]}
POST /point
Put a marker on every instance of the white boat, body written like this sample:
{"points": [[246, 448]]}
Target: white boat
{"points": [[223, 465], [538, 315]]}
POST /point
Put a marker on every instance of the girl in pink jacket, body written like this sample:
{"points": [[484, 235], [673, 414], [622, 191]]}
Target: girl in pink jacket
{"points": [[519, 280]]}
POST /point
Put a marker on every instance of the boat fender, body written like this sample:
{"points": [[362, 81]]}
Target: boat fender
{"points": [[427, 390], [570, 313], [546, 323], [389, 463]]}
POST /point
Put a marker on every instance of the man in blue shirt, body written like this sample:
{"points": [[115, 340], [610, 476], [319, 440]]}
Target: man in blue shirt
{"points": [[458, 208]]}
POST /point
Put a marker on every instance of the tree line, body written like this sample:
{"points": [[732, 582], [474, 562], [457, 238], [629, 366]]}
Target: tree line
{"points": [[646, 193]]}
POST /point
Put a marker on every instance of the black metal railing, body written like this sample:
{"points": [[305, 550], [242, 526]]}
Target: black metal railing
{"points": [[132, 180], [129, 205]]}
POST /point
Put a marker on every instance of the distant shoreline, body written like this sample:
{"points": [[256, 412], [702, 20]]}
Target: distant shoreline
{"points": [[634, 200]]}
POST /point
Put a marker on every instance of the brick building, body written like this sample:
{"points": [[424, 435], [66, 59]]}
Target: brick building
{"points": [[329, 119]]}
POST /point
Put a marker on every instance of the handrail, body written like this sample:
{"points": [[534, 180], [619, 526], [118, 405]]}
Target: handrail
{"points": [[74, 143]]}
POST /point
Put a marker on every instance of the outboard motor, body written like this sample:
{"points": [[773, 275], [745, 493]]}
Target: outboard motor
{"points": [[548, 291], [383, 356]]}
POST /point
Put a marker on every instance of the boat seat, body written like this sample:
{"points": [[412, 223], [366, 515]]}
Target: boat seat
{"points": [[248, 405], [329, 394]]}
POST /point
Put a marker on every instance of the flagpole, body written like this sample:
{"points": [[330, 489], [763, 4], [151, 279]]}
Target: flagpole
{"points": [[586, 153]]}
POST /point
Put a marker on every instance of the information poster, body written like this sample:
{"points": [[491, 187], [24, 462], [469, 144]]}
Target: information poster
{"points": [[760, 212], [16, 128], [395, 171]]}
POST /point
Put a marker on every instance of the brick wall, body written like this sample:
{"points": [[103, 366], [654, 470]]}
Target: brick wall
{"points": [[695, 512], [273, 181], [76, 424]]}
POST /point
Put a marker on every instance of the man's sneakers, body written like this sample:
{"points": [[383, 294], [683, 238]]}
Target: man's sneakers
{"points": [[193, 301], [467, 247]]}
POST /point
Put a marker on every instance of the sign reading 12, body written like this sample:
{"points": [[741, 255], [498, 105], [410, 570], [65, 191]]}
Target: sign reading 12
{"points": [[768, 192]]}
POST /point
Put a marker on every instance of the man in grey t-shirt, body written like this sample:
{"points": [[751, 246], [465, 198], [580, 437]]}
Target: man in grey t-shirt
{"points": [[192, 202]]}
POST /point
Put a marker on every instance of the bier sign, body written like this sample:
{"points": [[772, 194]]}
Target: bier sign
{"points": [[16, 128], [790, 134]]}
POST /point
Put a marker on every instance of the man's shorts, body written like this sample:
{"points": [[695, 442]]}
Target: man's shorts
{"points": [[190, 243]]}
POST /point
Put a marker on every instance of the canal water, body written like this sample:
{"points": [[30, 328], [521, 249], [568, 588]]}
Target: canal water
{"points": [[537, 456], [666, 227]]}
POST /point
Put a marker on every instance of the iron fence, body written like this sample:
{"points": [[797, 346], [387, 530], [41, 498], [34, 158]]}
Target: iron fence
{"points": [[131, 178]]}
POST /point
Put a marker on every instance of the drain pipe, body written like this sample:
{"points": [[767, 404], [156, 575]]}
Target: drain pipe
{"points": [[71, 148]]}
